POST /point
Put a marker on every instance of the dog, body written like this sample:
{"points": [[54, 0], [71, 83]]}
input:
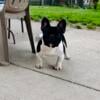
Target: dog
{"points": [[52, 39]]}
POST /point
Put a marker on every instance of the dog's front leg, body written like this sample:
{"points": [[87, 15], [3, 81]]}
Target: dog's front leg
{"points": [[60, 58], [59, 62], [39, 63]]}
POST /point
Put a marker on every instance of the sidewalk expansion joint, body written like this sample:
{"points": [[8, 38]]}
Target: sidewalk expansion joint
{"points": [[69, 81]]}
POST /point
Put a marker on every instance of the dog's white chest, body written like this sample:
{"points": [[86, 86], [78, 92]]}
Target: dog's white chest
{"points": [[48, 50]]}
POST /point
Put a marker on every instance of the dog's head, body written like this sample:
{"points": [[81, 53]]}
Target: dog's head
{"points": [[52, 35]]}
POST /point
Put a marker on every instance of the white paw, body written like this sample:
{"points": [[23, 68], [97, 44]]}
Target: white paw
{"points": [[39, 65], [58, 68]]}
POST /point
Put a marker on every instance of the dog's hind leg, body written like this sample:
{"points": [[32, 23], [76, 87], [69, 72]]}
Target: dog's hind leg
{"points": [[66, 55], [39, 63], [64, 43]]}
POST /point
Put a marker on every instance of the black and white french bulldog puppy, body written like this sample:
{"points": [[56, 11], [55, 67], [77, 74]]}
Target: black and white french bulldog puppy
{"points": [[52, 42]]}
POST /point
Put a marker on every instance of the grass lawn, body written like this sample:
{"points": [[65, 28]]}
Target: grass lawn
{"points": [[84, 16]]}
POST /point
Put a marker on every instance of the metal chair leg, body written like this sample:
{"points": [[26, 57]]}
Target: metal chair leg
{"points": [[9, 26], [10, 32], [29, 30], [13, 36], [22, 26]]}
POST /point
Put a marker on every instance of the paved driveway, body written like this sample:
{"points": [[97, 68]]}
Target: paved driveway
{"points": [[82, 71]]}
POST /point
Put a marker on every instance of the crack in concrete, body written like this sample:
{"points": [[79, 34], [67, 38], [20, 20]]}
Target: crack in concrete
{"points": [[69, 81]]}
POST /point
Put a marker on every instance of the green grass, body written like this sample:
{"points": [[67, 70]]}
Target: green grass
{"points": [[84, 16]]}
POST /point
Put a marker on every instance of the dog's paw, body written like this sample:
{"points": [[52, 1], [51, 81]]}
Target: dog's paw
{"points": [[39, 66], [67, 58], [57, 68]]}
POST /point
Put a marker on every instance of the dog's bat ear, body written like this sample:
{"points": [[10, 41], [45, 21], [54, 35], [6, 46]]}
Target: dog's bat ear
{"points": [[62, 26], [45, 23]]}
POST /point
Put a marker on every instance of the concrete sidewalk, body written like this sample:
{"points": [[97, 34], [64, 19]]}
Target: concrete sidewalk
{"points": [[21, 84], [79, 79]]}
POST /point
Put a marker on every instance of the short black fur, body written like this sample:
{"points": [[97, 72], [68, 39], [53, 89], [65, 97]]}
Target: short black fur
{"points": [[52, 36], [39, 45]]}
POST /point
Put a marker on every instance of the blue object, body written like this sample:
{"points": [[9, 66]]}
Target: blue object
{"points": [[2, 1]]}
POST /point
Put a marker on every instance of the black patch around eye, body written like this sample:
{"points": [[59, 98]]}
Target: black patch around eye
{"points": [[52, 39]]}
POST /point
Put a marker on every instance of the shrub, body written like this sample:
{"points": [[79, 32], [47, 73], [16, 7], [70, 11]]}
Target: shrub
{"points": [[91, 26], [78, 26]]}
